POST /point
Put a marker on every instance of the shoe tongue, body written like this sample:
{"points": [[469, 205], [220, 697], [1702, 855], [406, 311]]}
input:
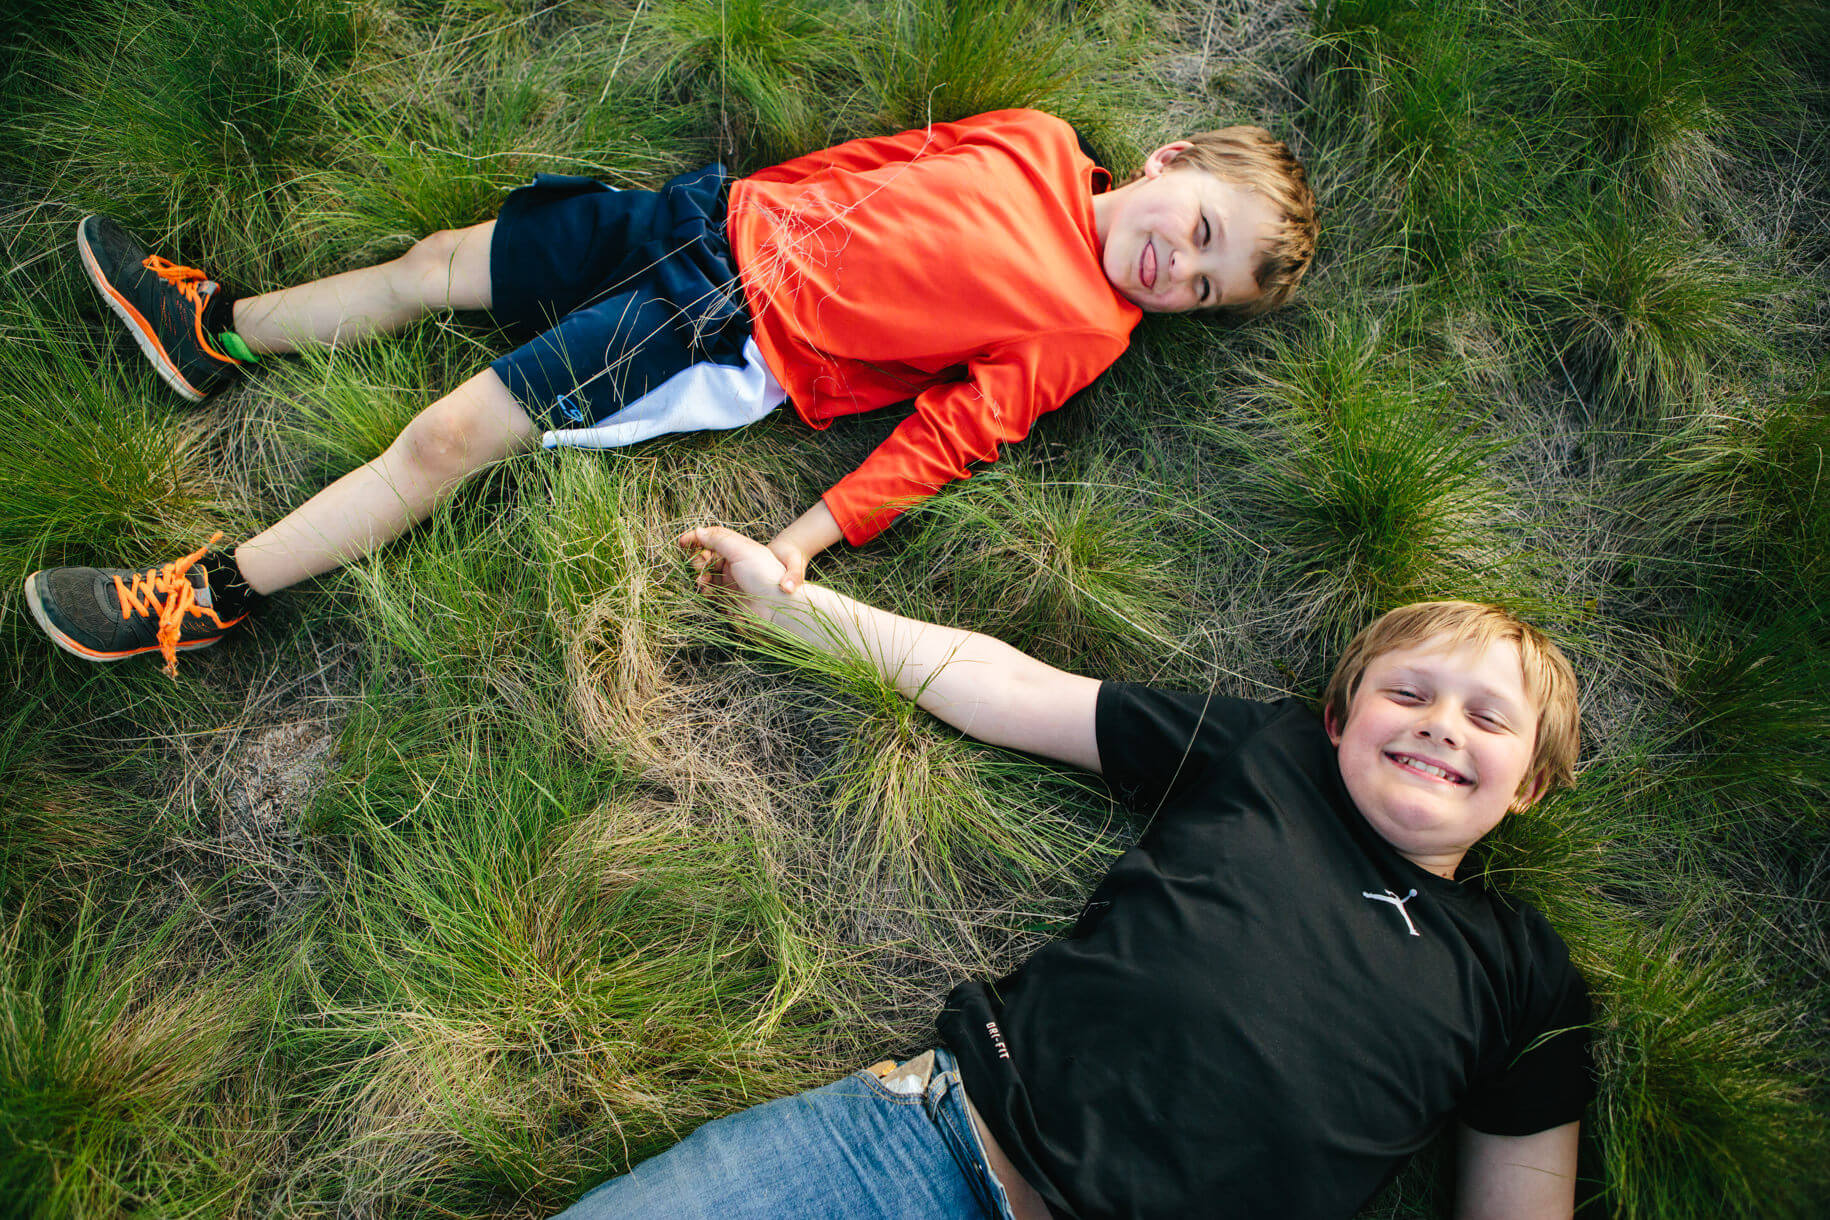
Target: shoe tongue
{"points": [[201, 582]]}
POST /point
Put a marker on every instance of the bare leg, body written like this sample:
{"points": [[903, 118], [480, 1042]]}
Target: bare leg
{"points": [[476, 424], [448, 270]]}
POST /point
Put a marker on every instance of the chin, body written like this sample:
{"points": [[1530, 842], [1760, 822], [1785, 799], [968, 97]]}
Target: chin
{"points": [[1412, 824]]}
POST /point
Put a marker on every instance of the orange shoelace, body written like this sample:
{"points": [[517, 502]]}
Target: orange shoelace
{"points": [[168, 592], [185, 280]]}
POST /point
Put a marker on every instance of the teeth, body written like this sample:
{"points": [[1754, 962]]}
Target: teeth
{"points": [[1430, 769]]}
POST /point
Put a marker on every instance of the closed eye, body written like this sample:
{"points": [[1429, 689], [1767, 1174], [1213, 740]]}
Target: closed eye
{"points": [[1207, 230]]}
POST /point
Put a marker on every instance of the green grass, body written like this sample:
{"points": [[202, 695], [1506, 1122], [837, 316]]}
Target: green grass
{"points": [[1069, 572], [1708, 1114], [530, 973], [583, 868], [1375, 483], [120, 1067]]}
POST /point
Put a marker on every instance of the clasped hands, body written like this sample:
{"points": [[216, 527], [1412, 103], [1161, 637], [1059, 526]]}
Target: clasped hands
{"points": [[729, 565], [812, 532]]}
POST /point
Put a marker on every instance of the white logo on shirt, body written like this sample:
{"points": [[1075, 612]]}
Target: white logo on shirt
{"points": [[1389, 896]]}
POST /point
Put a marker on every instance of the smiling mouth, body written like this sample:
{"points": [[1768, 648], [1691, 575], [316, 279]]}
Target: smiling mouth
{"points": [[1146, 265], [1419, 766]]}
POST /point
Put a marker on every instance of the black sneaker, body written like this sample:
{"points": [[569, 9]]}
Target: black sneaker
{"points": [[107, 614], [176, 313]]}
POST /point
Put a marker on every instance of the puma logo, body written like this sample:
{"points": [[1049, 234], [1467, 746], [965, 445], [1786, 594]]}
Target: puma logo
{"points": [[1389, 896]]}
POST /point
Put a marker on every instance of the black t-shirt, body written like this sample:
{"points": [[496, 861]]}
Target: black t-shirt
{"points": [[1264, 1007]]}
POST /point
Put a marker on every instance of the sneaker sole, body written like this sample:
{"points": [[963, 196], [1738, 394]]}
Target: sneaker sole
{"points": [[69, 644], [137, 324]]}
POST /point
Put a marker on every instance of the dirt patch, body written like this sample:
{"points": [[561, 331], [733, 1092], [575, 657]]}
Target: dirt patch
{"points": [[271, 777], [265, 783]]}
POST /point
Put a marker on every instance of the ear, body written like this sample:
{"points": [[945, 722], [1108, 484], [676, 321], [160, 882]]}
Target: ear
{"points": [[1528, 797], [1333, 729], [1159, 160]]}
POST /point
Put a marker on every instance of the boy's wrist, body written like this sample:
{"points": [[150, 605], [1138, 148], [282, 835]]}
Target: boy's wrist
{"points": [[814, 530], [776, 604]]}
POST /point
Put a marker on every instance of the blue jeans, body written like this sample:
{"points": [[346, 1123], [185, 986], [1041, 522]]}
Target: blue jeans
{"points": [[853, 1150]]}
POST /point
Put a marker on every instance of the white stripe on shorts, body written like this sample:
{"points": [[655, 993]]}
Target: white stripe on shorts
{"points": [[700, 398]]}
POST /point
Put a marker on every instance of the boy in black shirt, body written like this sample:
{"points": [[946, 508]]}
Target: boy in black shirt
{"points": [[1270, 1001]]}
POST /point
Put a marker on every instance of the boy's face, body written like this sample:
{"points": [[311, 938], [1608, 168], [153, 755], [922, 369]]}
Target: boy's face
{"points": [[1179, 238], [1437, 745]]}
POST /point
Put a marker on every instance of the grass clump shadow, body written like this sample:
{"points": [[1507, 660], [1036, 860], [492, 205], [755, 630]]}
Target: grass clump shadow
{"points": [[1643, 311]]}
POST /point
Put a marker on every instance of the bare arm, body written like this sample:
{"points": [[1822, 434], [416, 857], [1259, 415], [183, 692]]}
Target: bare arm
{"points": [[1517, 1177], [977, 684]]}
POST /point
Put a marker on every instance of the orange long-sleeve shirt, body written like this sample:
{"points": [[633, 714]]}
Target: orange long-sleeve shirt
{"points": [[957, 265]]}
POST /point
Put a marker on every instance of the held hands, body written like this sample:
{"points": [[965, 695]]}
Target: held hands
{"points": [[812, 532], [793, 559], [741, 569], [760, 578]]}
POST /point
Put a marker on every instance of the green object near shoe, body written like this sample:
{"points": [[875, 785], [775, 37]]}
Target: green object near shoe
{"points": [[232, 343]]}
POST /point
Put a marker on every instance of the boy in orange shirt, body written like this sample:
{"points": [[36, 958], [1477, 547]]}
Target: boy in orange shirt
{"points": [[981, 268]]}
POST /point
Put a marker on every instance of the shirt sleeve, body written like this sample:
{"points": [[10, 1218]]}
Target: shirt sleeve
{"points": [[961, 422], [1155, 743], [1547, 1078]]}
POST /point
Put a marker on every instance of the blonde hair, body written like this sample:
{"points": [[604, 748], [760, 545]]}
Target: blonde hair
{"points": [[1253, 157], [1549, 680]]}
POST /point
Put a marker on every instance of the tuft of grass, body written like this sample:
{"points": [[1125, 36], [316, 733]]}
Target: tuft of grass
{"points": [[1070, 571], [1665, 93], [756, 64], [448, 165], [115, 1064], [1757, 729], [1701, 1111], [534, 981], [1450, 164], [59, 836], [931, 823], [1646, 311], [105, 467], [1742, 492], [1374, 487], [192, 121], [344, 405], [451, 600], [941, 60]]}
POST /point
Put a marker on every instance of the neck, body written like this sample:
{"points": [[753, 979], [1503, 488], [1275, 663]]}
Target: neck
{"points": [[1102, 210], [1443, 864]]}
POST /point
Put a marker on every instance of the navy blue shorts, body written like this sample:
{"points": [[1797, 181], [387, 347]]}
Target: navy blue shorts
{"points": [[622, 291]]}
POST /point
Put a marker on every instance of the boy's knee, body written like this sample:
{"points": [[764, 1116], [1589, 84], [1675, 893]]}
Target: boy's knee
{"points": [[426, 270], [447, 439]]}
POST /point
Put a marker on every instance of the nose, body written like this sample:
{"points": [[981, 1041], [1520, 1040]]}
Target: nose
{"points": [[1439, 727]]}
